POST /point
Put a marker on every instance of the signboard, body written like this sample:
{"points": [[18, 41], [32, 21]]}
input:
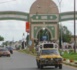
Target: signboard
{"points": [[27, 27], [44, 17]]}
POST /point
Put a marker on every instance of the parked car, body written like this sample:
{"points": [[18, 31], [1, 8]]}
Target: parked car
{"points": [[4, 52]]}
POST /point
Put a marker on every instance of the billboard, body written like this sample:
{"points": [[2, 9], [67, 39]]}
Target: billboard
{"points": [[27, 27]]}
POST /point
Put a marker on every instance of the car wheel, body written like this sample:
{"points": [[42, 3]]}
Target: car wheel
{"points": [[41, 66], [60, 66], [8, 55], [10, 51], [38, 65], [56, 66]]}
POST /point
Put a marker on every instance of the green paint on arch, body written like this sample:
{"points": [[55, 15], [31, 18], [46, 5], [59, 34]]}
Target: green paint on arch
{"points": [[36, 29], [52, 29], [47, 17]]}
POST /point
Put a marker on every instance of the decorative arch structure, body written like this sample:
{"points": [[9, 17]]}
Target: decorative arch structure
{"points": [[66, 16], [16, 15]]}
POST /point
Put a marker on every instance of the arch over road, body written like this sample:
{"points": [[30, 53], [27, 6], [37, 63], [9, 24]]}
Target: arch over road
{"points": [[66, 16], [16, 15]]}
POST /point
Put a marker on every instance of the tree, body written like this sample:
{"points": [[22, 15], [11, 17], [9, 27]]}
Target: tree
{"points": [[64, 34], [1, 38], [5, 43]]}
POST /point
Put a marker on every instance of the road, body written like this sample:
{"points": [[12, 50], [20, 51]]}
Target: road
{"points": [[21, 61]]}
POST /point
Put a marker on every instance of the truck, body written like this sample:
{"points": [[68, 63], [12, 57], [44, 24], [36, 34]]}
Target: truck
{"points": [[46, 45], [48, 55]]}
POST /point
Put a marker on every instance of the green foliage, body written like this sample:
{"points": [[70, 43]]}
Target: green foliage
{"points": [[1, 38], [71, 51], [66, 38], [32, 52], [65, 33], [71, 55], [5, 43], [24, 51], [19, 46]]}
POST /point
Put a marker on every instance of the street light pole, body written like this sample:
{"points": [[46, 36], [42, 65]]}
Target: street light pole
{"points": [[61, 39], [74, 27]]}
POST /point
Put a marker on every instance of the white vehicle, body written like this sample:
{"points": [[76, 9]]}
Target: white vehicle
{"points": [[47, 45], [50, 45]]}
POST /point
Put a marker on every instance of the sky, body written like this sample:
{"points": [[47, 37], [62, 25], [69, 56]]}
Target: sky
{"points": [[13, 29]]}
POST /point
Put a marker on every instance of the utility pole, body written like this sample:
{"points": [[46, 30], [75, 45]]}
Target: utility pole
{"points": [[61, 37], [74, 27]]}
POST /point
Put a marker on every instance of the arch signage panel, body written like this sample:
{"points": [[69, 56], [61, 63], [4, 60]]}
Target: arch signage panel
{"points": [[44, 17]]}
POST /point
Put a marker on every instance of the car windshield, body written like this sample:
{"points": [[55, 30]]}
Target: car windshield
{"points": [[44, 52], [48, 45]]}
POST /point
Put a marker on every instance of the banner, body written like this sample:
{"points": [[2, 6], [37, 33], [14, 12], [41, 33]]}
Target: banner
{"points": [[27, 27]]}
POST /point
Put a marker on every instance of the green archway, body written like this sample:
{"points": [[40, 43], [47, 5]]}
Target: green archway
{"points": [[66, 16], [16, 15], [37, 18], [44, 34]]}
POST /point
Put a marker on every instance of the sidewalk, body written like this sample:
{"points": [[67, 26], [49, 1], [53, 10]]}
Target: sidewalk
{"points": [[70, 62]]}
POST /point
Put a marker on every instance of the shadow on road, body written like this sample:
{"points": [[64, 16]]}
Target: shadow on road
{"points": [[34, 69]]}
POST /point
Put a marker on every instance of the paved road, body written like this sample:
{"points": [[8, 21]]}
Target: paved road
{"points": [[21, 61]]}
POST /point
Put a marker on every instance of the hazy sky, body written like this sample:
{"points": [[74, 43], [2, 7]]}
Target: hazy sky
{"points": [[12, 29]]}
